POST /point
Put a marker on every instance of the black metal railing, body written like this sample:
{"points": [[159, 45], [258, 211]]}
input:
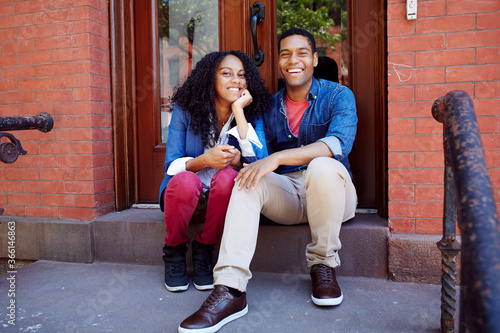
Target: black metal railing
{"points": [[10, 151], [468, 192]]}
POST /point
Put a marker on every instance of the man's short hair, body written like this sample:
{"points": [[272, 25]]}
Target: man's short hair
{"points": [[298, 31]]}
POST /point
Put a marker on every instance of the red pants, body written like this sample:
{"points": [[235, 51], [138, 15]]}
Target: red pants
{"points": [[181, 198]]}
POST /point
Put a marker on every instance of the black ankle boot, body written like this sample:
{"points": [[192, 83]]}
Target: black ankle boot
{"points": [[203, 278], [176, 278]]}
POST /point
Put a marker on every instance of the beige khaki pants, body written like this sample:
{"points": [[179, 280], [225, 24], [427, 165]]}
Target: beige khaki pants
{"points": [[323, 195]]}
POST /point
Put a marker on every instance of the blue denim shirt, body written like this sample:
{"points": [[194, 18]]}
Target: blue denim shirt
{"points": [[330, 118], [183, 142]]}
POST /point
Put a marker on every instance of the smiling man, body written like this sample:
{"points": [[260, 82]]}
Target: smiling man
{"points": [[310, 129]]}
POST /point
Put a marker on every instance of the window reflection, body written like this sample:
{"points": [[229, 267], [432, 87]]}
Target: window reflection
{"points": [[188, 29]]}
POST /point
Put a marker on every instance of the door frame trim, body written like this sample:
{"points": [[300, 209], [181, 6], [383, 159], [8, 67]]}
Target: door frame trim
{"points": [[380, 87], [124, 110], [124, 104]]}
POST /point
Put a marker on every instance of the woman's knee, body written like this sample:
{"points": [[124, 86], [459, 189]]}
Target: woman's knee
{"points": [[185, 182], [224, 178]]}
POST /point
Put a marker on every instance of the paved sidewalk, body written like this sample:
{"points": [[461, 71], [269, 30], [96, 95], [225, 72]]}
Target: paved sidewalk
{"points": [[108, 297]]}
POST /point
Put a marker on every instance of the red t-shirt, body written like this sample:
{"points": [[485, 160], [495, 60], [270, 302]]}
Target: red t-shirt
{"points": [[294, 112]]}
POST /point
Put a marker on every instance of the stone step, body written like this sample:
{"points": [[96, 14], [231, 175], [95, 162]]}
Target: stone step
{"points": [[48, 239], [136, 236]]}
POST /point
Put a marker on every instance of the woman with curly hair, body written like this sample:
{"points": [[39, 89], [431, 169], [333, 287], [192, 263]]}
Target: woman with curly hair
{"points": [[216, 126]]}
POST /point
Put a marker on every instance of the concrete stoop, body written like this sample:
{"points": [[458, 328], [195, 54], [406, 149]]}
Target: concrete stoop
{"points": [[417, 258], [135, 236], [48, 239], [122, 289]]}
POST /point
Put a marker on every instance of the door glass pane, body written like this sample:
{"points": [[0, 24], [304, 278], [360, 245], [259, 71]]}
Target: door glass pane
{"points": [[188, 29], [327, 21]]}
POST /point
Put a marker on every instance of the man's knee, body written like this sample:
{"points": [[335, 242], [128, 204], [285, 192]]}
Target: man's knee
{"points": [[325, 172], [324, 166], [320, 163], [259, 193]]}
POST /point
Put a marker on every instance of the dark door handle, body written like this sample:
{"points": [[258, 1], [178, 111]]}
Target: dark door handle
{"points": [[257, 14]]}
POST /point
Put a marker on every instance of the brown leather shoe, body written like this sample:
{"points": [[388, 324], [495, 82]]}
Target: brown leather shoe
{"points": [[325, 289], [218, 309]]}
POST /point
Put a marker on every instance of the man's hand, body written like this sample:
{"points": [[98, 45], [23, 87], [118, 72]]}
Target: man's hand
{"points": [[252, 173]]}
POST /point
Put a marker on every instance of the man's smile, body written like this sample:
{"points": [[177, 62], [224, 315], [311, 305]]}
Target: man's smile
{"points": [[295, 71]]}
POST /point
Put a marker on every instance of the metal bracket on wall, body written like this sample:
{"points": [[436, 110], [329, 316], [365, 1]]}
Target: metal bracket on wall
{"points": [[10, 151]]}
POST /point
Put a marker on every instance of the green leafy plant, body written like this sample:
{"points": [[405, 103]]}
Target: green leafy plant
{"points": [[315, 16]]}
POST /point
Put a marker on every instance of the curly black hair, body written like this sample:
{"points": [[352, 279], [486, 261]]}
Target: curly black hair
{"points": [[197, 94]]}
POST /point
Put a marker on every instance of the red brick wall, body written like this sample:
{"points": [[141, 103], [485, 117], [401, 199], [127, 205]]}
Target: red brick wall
{"points": [[54, 58], [453, 44]]}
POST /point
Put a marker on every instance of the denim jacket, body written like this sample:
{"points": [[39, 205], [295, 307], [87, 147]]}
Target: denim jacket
{"points": [[330, 118], [183, 143]]}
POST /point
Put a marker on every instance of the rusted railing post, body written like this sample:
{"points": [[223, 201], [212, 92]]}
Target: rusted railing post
{"points": [[10, 151], [448, 244], [477, 215]]}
